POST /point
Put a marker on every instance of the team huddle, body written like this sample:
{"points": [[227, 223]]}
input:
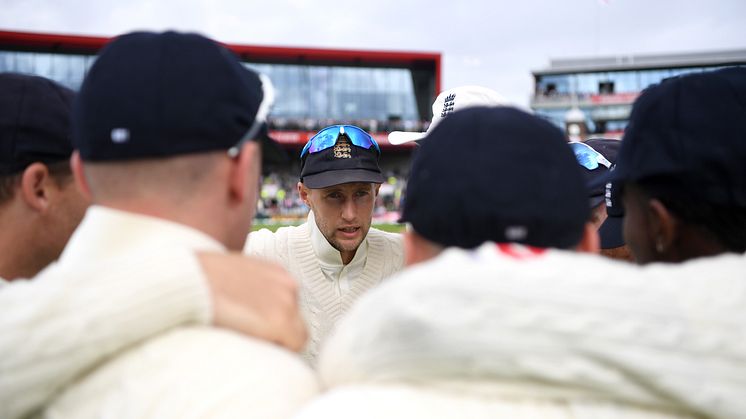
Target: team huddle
{"points": [[132, 288]]}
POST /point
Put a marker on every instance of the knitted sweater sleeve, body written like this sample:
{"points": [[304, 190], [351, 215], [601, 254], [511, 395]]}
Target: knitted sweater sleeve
{"points": [[666, 336], [60, 325]]}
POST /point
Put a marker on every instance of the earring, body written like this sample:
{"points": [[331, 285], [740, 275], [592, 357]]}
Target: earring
{"points": [[659, 246]]}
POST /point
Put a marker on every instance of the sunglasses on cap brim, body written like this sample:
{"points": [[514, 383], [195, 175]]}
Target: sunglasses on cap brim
{"points": [[588, 157], [328, 136]]}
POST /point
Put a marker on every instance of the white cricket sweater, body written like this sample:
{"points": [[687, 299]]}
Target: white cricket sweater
{"points": [[71, 318], [553, 334], [186, 372], [322, 300]]}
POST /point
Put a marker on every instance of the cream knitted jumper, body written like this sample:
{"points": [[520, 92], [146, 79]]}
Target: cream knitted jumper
{"points": [[507, 332], [322, 301], [186, 372], [70, 318]]}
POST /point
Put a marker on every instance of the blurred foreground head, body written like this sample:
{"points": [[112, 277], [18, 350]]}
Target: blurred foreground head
{"points": [[166, 124], [40, 205], [496, 174], [682, 164]]}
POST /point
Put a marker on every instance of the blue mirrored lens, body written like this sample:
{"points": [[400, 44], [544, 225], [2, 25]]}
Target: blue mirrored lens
{"points": [[360, 138], [328, 136], [586, 156], [325, 138]]}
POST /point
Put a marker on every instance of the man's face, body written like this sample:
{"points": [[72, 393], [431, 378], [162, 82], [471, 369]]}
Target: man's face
{"points": [[67, 208], [343, 212]]}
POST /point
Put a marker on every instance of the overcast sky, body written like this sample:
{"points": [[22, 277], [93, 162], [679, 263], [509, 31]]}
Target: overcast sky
{"points": [[493, 43]]}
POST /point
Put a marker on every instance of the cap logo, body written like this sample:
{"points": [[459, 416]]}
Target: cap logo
{"points": [[607, 190], [514, 233], [607, 195], [448, 104], [342, 149], [120, 135]]}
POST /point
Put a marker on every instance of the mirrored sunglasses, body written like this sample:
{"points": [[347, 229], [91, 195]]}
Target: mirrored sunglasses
{"points": [[588, 157], [328, 136]]}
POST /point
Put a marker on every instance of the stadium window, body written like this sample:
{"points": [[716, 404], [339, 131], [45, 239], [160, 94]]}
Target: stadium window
{"points": [[600, 127], [606, 87]]}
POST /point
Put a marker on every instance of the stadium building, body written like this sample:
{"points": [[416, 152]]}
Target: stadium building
{"points": [[380, 91], [594, 96]]}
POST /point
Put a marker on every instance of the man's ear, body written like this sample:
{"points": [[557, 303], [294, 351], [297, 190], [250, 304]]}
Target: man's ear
{"points": [[76, 166], [303, 193], [663, 225], [248, 159], [590, 242], [35, 181]]}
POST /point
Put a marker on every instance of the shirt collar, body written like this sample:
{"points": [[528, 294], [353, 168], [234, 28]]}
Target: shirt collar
{"points": [[328, 255]]}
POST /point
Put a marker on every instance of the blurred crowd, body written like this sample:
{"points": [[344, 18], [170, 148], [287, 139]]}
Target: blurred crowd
{"points": [[370, 125]]}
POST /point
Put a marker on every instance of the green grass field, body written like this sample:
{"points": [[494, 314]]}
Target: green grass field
{"points": [[394, 228]]}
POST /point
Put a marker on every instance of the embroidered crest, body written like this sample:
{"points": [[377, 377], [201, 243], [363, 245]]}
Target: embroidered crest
{"points": [[448, 104], [342, 149], [607, 196]]}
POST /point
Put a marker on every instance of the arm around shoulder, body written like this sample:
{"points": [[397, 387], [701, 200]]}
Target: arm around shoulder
{"points": [[59, 325]]}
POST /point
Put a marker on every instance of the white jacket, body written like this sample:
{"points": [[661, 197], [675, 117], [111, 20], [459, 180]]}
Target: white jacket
{"points": [[520, 334]]}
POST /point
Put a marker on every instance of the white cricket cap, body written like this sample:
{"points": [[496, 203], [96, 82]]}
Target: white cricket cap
{"points": [[449, 101]]}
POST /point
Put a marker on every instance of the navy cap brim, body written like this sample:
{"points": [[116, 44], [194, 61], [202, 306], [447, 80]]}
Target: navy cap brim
{"points": [[611, 233], [338, 177]]}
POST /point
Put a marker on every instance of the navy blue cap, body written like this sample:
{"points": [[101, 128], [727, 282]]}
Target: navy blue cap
{"points": [[342, 163], [609, 148], [496, 174], [34, 122], [611, 232], [164, 94], [689, 132]]}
